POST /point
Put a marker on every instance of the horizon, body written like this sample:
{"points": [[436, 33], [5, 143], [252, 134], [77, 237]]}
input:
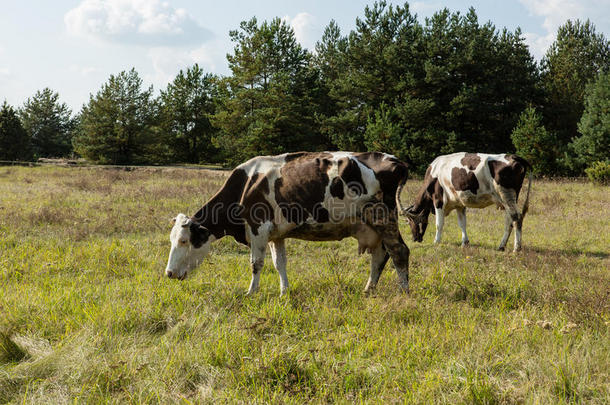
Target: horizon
{"points": [[83, 42]]}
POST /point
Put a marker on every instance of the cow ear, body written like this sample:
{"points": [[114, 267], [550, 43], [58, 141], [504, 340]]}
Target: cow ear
{"points": [[204, 231]]}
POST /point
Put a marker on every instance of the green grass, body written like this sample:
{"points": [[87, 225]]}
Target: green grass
{"points": [[86, 316]]}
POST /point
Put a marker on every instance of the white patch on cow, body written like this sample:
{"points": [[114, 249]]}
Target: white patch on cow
{"points": [[263, 164], [183, 256]]}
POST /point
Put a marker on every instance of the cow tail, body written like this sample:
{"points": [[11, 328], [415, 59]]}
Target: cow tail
{"points": [[401, 185], [527, 195]]}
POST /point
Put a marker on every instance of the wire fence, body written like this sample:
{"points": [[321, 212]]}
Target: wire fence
{"points": [[81, 164]]}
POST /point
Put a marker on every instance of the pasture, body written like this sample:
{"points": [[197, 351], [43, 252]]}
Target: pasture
{"points": [[86, 315]]}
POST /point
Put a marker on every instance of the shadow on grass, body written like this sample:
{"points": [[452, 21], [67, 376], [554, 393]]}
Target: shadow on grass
{"points": [[570, 252]]}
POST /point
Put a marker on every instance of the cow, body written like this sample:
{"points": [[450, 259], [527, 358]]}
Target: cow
{"points": [[314, 196], [470, 180]]}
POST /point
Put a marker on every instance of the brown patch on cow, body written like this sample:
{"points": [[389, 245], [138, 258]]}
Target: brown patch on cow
{"points": [[351, 175], [300, 190], [319, 232], [509, 175], [470, 160], [222, 214], [463, 180], [324, 157], [389, 171], [257, 209], [336, 188]]}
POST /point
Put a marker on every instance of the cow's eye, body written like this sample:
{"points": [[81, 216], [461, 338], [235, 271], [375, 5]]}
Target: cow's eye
{"points": [[183, 241]]}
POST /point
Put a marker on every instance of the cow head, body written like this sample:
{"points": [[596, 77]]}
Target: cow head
{"points": [[190, 244], [418, 222]]}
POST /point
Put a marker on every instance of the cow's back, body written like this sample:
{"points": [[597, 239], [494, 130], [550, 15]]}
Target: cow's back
{"points": [[311, 187]]}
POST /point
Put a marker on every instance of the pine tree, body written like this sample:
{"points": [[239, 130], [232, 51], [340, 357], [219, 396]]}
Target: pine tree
{"points": [[575, 58], [48, 124], [534, 143], [187, 105], [118, 125], [594, 143], [267, 105], [14, 141]]}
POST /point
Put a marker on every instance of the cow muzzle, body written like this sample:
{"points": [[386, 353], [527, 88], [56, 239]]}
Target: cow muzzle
{"points": [[173, 274]]}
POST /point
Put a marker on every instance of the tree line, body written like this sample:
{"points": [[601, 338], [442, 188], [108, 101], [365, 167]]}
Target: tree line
{"points": [[392, 84]]}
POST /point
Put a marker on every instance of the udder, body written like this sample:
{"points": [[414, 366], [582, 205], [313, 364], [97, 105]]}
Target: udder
{"points": [[367, 238]]}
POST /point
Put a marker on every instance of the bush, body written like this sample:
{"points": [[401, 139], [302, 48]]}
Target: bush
{"points": [[599, 172]]}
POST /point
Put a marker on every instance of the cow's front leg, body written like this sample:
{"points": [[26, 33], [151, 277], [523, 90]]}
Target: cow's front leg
{"points": [[278, 255], [440, 221], [379, 258], [461, 215], [257, 260]]}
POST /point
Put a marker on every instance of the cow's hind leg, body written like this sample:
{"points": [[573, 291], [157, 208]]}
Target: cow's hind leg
{"points": [[258, 248], [508, 227], [278, 255], [461, 215], [379, 258], [399, 252], [514, 216], [385, 222]]}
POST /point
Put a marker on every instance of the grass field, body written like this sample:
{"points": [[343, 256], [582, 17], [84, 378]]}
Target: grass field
{"points": [[86, 316]]}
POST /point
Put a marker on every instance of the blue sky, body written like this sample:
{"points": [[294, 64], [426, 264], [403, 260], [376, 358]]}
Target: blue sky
{"points": [[72, 46]]}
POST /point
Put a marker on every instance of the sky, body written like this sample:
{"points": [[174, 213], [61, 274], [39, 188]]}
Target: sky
{"points": [[73, 46]]}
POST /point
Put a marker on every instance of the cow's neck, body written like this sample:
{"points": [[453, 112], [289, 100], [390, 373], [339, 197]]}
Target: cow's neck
{"points": [[222, 218], [423, 205]]}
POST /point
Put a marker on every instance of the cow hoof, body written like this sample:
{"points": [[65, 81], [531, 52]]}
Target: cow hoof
{"points": [[465, 244], [501, 248]]}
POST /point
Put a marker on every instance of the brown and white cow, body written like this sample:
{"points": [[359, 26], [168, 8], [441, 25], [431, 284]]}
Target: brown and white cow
{"points": [[312, 196], [470, 180]]}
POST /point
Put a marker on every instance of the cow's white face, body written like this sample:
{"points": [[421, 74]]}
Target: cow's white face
{"points": [[190, 244]]}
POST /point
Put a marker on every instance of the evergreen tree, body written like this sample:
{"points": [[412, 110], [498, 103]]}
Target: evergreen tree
{"points": [[118, 125], [267, 105], [14, 141], [48, 124], [373, 66], [187, 104], [574, 59], [478, 80], [534, 143], [594, 143], [421, 91]]}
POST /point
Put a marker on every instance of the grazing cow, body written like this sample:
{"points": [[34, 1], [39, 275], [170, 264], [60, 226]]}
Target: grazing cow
{"points": [[470, 180], [312, 196]]}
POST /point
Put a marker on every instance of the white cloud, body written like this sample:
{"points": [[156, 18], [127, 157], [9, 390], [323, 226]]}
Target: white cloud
{"points": [[144, 22], [306, 30], [555, 14], [85, 70], [4, 71], [166, 62]]}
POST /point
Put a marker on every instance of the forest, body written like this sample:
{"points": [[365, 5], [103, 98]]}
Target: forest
{"points": [[416, 89]]}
